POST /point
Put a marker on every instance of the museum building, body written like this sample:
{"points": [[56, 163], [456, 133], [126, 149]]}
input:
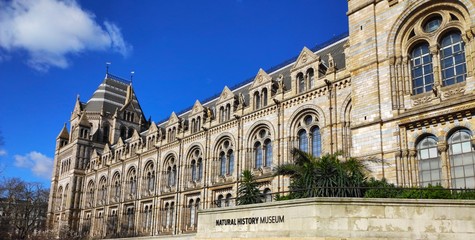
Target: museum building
{"points": [[398, 88]]}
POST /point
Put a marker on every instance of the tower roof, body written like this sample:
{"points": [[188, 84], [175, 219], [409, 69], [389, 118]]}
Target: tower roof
{"points": [[64, 134], [112, 94]]}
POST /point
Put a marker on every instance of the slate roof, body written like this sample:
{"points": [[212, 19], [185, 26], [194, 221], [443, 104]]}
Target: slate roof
{"points": [[110, 95], [335, 46]]}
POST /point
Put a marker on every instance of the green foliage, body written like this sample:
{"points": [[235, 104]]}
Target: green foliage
{"points": [[248, 191], [381, 189], [326, 176], [429, 192]]}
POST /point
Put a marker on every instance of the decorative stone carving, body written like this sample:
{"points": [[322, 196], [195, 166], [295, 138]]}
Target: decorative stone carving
{"points": [[422, 100], [454, 92]]}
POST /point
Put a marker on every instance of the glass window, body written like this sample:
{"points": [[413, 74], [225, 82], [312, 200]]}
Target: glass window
{"points": [[316, 142], [222, 158], [268, 153], [258, 154], [421, 69], [429, 162], [433, 24], [462, 159], [301, 82], [231, 162], [452, 59], [303, 141], [193, 171]]}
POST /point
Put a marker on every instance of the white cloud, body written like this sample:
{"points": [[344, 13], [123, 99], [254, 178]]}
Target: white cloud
{"points": [[3, 152], [50, 30], [40, 165]]}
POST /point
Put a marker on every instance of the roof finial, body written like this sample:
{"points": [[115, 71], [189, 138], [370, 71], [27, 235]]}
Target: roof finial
{"points": [[107, 67], [131, 77]]}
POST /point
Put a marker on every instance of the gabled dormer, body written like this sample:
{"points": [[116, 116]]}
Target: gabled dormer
{"points": [[174, 126], [196, 117], [120, 150], [261, 90], [304, 72], [63, 138], [135, 142], [225, 105], [153, 135]]}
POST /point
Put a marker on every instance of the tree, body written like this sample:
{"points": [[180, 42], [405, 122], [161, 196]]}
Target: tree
{"points": [[248, 191], [24, 207], [326, 176]]}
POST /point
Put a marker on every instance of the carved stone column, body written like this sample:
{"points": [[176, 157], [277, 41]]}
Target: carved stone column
{"points": [[434, 51], [445, 178], [467, 38], [414, 167]]}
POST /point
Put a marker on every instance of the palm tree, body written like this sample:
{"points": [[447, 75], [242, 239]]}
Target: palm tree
{"points": [[326, 176], [248, 191]]}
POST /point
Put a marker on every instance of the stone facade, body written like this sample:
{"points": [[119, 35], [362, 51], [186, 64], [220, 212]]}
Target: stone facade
{"points": [[399, 89], [342, 218]]}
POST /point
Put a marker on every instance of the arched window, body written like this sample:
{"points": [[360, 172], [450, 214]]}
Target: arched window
{"points": [[230, 162], [303, 140], [225, 164], [219, 201], [268, 153], [308, 134], [262, 147], [149, 178], [193, 170], [264, 97], [462, 159], [301, 82], [227, 201], [421, 69], [311, 77], [193, 126], [195, 167], [102, 191], [429, 161], [197, 207], [90, 194], [316, 142], [168, 213], [105, 133], [198, 124], [222, 159], [169, 179], [65, 197], [115, 190], [257, 100], [130, 133], [132, 181], [267, 195], [258, 154], [130, 219], [221, 114], [191, 206], [452, 59]]}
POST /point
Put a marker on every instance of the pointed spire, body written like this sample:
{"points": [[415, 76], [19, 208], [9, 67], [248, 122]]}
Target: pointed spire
{"points": [[77, 108], [64, 134]]}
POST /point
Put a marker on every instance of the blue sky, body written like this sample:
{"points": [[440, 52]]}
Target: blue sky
{"points": [[180, 51]]}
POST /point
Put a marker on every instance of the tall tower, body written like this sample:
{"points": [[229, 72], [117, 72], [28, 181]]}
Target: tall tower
{"points": [[112, 112]]}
